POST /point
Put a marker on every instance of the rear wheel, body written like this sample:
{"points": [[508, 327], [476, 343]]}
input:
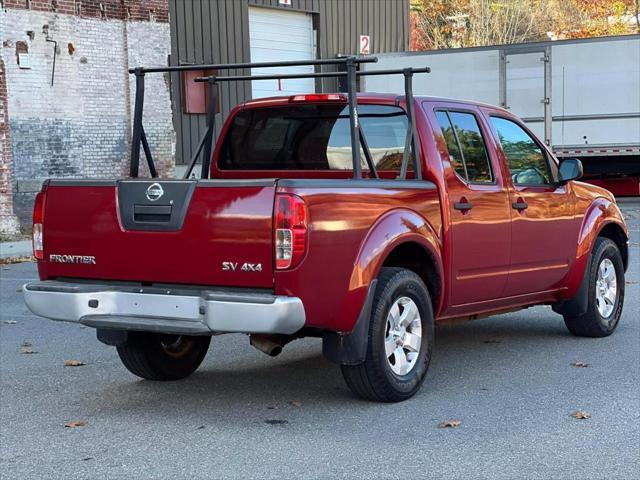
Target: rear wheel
{"points": [[605, 293], [156, 356], [399, 342]]}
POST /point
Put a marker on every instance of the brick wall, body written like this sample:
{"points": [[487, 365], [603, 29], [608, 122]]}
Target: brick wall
{"points": [[80, 126], [142, 10], [8, 221]]}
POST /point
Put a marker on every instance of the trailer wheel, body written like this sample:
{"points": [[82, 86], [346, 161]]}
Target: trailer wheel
{"points": [[399, 342], [155, 356], [605, 293]]}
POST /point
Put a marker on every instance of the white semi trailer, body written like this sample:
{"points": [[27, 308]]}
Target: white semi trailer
{"points": [[581, 96]]}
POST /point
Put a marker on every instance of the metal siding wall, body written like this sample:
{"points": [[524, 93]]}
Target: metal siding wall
{"points": [[217, 31]]}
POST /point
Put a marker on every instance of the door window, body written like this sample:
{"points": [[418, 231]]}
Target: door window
{"points": [[526, 159], [466, 146]]}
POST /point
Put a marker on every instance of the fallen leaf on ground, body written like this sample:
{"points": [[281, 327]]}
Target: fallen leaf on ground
{"points": [[580, 415], [25, 344], [580, 365], [27, 350], [10, 322], [631, 282], [10, 260], [276, 422], [73, 363], [296, 403], [75, 424], [450, 424]]}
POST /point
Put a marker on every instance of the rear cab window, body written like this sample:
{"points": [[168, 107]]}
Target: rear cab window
{"points": [[312, 137], [467, 149]]}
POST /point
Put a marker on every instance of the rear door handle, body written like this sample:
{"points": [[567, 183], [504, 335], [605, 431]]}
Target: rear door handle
{"points": [[462, 206], [519, 205]]}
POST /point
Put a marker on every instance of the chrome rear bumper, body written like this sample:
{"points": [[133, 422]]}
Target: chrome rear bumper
{"points": [[166, 310]]}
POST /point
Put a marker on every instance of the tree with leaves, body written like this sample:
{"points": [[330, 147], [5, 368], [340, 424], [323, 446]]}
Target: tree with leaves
{"points": [[439, 24]]}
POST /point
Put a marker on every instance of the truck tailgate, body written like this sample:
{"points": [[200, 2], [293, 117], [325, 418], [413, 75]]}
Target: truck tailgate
{"points": [[208, 232]]}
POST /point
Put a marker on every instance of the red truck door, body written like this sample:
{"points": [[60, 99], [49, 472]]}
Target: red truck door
{"points": [[544, 231], [478, 204]]}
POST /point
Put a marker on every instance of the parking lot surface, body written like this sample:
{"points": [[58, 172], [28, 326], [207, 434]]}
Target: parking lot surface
{"points": [[508, 379]]}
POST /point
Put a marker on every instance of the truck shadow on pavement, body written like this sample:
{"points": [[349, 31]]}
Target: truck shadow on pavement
{"points": [[469, 357]]}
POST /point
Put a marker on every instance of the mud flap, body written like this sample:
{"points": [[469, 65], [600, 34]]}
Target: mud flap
{"points": [[578, 304], [113, 338], [351, 348]]}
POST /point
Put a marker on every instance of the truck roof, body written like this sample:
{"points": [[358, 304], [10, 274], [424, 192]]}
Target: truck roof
{"points": [[368, 97]]}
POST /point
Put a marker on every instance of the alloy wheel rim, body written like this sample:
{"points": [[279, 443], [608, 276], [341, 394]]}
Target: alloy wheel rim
{"points": [[176, 345], [606, 288], [403, 336]]}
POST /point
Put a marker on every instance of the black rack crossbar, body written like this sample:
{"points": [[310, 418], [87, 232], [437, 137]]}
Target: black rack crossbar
{"points": [[284, 76], [234, 66], [358, 139]]}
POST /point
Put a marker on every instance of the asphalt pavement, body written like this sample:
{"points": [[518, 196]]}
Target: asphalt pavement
{"points": [[508, 379]]}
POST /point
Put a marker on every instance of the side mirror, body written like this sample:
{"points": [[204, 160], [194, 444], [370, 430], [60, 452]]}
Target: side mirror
{"points": [[570, 169]]}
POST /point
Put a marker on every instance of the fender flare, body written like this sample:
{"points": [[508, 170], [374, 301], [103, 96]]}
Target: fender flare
{"points": [[394, 228], [601, 212]]}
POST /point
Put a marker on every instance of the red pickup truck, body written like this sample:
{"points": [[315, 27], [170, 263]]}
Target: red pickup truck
{"points": [[281, 242]]}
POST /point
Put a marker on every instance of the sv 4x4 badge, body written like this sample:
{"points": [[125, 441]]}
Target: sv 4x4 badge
{"points": [[246, 267]]}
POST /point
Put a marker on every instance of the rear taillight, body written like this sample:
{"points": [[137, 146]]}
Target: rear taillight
{"points": [[290, 232], [38, 221]]}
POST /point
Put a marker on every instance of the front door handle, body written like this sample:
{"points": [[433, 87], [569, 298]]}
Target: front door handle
{"points": [[463, 206], [520, 205]]}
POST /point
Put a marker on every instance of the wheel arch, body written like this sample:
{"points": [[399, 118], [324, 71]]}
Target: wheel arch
{"points": [[613, 231], [391, 241], [415, 257], [603, 219]]}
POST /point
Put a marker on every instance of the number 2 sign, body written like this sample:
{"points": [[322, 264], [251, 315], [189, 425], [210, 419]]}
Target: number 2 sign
{"points": [[365, 45]]}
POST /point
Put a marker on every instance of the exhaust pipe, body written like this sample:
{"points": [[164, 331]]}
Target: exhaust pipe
{"points": [[269, 344]]}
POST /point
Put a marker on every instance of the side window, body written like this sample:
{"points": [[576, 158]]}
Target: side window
{"points": [[527, 162], [452, 144], [467, 149]]}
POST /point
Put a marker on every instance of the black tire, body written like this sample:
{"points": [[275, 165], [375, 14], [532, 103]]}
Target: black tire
{"points": [[592, 323], [374, 379], [155, 356]]}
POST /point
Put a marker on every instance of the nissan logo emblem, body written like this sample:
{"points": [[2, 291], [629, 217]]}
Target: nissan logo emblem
{"points": [[154, 192]]}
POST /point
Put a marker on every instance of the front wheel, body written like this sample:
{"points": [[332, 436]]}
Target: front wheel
{"points": [[155, 356], [399, 342], [605, 293]]}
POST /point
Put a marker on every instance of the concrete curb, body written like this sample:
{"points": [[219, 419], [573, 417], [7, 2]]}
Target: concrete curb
{"points": [[15, 249]]}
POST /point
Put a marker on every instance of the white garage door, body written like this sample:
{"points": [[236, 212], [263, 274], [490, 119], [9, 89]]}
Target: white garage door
{"points": [[277, 36]]}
